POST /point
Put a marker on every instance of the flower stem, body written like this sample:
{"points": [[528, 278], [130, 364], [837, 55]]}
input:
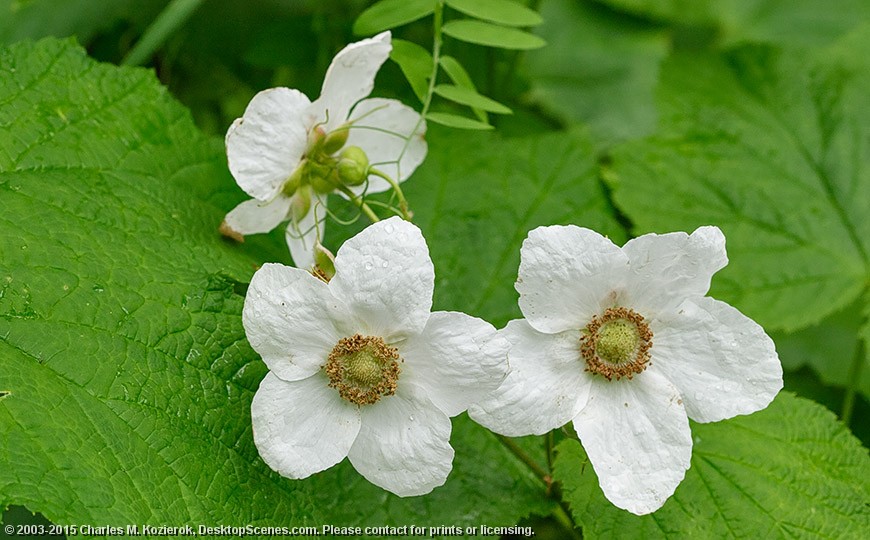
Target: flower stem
{"points": [[522, 456], [403, 203], [436, 61], [561, 515], [855, 368], [366, 209], [170, 19], [548, 441]]}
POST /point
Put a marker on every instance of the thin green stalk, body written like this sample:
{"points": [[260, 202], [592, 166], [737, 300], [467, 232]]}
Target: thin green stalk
{"points": [[565, 521], [548, 438], [436, 59], [403, 203], [855, 369], [170, 19], [560, 513], [436, 56], [522, 456], [360, 203]]}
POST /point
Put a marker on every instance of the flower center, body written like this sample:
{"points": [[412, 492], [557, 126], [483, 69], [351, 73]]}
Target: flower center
{"points": [[616, 344], [363, 368]]}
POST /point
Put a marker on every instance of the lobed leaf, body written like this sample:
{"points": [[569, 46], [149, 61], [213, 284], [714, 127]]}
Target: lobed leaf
{"points": [[125, 375], [771, 147], [789, 471], [788, 22], [600, 70]]}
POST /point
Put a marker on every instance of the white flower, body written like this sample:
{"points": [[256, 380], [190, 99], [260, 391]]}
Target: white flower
{"points": [[284, 151], [359, 367], [624, 343]]}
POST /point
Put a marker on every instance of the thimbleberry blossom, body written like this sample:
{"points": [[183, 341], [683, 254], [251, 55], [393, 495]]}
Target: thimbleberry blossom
{"points": [[625, 344], [289, 153], [360, 368]]}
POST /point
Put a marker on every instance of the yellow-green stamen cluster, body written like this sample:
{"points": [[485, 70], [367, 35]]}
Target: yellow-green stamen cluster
{"points": [[616, 344], [363, 369]]}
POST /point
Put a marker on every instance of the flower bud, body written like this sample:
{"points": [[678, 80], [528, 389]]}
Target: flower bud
{"points": [[324, 262], [323, 178], [295, 180], [336, 139], [353, 166], [301, 204]]}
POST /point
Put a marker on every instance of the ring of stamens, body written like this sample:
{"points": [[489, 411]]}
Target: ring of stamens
{"points": [[363, 369], [616, 344]]}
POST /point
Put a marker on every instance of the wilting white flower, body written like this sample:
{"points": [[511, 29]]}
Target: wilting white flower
{"points": [[288, 153], [359, 367], [624, 343]]}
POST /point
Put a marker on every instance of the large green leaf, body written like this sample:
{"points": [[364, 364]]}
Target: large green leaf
{"points": [[789, 471], [125, 376], [772, 147], [829, 348], [600, 69], [793, 22], [477, 196]]}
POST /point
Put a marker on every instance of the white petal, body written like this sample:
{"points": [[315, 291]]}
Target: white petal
{"points": [[384, 274], [392, 136], [567, 274], [254, 217], [545, 388], [404, 444], [457, 360], [289, 318], [265, 145], [637, 436], [668, 268], [722, 361], [302, 236], [302, 427], [350, 78]]}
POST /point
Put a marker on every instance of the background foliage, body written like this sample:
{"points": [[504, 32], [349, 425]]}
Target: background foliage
{"points": [[126, 380]]}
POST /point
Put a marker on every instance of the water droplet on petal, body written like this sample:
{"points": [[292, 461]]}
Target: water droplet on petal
{"points": [[411, 418], [368, 266], [386, 264]]}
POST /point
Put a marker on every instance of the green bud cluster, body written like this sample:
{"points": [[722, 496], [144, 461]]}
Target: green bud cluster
{"points": [[328, 164]]}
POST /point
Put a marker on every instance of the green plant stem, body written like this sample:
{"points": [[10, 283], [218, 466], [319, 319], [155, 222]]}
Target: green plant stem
{"points": [[436, 59], [522, 456], [403, 203], [436, 56], [561, 516], [855, 369], [548, 442], [366, 209], [170, 19]]}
